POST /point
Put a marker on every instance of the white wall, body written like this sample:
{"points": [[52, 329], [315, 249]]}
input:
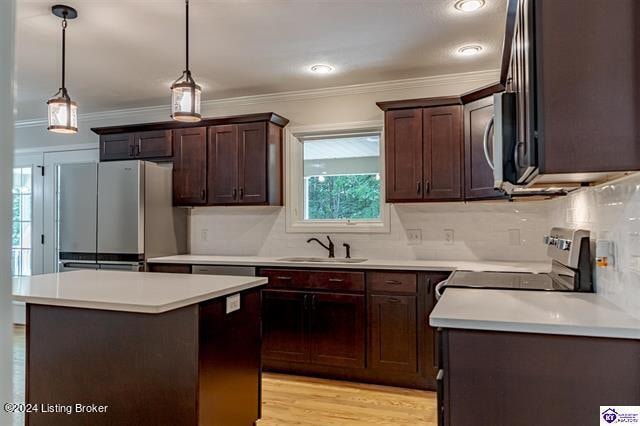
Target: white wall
{"points": [[610, 212], [310, 107], [7, 10], [481, 232]]}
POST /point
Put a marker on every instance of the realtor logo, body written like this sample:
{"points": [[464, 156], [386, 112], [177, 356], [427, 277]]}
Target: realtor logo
{"points": [[609, 415], [619, 414]]}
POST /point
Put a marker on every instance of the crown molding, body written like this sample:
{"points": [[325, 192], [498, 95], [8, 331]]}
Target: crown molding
{"points": [[298, 95]]}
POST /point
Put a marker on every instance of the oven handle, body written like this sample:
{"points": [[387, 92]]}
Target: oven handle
{"points": [[439, 288], [485, 143]]}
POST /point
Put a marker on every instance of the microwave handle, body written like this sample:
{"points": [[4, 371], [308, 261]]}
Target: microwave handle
{"points": [[485, 142]]}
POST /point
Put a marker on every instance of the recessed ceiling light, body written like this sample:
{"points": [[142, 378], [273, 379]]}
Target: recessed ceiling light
{"points": [[321, 69], [469, 5], [470, 50]]}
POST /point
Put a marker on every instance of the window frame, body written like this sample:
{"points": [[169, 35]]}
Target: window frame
{"points": [[294, 184]]}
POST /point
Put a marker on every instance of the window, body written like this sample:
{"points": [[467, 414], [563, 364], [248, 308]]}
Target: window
{"points": [[342, 178], [21, 247], [335, 182]]}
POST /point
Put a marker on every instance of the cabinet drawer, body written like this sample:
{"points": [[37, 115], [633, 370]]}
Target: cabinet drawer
{"points": [[330, 280], [286, 278], [392, 282]]}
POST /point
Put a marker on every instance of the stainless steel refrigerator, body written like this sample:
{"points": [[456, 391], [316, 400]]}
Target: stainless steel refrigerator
{"points": [[115, 215]]}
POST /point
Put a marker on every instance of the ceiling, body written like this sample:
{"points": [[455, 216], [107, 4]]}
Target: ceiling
{"points": [[124, 53]]}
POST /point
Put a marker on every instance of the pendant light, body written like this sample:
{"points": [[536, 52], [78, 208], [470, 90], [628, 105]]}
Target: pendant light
{"points": [[63, 112], [185, 93]]}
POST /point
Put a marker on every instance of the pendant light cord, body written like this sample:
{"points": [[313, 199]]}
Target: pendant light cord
{"points": [[187, 38], [64, 32]]}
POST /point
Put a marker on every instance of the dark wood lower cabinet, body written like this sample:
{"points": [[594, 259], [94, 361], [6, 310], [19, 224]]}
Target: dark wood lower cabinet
{"points": [[284, 329], [393, 333], [374, 330], [318, 328], [337, 329], [502, 378]]}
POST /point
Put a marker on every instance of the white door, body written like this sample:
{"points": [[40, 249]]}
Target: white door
{"points": [[26, 234], [50, 195]]}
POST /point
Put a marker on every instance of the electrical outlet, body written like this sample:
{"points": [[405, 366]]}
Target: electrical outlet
{"points": [[204, 235], [514, 237], [414, 236], [233, 303], [449, 236]]}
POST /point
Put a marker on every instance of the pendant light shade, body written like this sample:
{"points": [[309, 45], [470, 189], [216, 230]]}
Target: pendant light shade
{"points": [[185, 93], [62, 111]]}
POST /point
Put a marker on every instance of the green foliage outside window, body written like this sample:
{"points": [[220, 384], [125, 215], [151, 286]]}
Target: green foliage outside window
{"points": [[344, 197]]}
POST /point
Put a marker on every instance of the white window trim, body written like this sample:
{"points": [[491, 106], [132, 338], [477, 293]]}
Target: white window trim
{"points": [[294, 189]]}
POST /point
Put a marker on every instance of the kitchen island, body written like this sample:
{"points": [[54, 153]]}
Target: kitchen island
{"points": [[108, 347]]}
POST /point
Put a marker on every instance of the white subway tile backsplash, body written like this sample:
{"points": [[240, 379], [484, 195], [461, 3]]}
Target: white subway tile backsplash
{"points": [[481, 232]]}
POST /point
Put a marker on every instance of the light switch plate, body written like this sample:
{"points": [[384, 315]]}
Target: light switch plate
{"points": [[414, 236], [204, 235], [233, 303]]}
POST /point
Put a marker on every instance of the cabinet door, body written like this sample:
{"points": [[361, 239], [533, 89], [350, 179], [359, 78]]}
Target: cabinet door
{"points": [[393, 333], [284, 329], [252, 147], [223, 164], [429, 348], [190, 166], [154, 144], [337, 329], [478, 173], [403, 154], [442, 129], [116, 147]]}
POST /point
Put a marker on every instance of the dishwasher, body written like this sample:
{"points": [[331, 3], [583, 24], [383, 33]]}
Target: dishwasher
{"points": [[242, 271]]}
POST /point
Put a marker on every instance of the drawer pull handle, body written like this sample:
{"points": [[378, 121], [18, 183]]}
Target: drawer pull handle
{"points": [[393, 300], [336, 280], [283, 278], [393, 282]]}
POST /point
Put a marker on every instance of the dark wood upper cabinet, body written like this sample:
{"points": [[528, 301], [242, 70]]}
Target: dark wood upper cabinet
{"points": [[154, 144], [393, 332], [222, 172], [284, 325], [190, 166], [138, 145], [235, 160], [252, 163], [117, 147], [423, 154], [403, 154], [478, 173], [337, 329], [442, 153]]}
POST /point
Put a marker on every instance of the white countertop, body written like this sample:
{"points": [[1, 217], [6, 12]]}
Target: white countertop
{"points": [[144, 292], [390, 264], [547, 312]]}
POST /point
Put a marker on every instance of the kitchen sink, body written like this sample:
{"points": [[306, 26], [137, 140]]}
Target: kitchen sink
{"points": [[320, 260]]}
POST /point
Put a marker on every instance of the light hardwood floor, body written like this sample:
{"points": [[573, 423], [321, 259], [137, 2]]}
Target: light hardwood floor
{"points": [[294, 400]]}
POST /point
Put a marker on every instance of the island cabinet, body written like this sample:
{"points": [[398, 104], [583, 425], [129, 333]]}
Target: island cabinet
{"points": [[352, 325], [150, 350], [218, 161]]}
